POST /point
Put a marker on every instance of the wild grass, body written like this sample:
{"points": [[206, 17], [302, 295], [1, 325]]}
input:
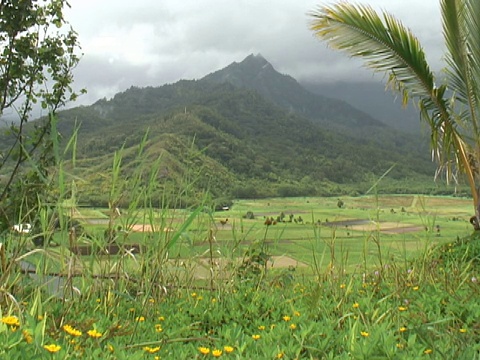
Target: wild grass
{"points": [[203, 289]]}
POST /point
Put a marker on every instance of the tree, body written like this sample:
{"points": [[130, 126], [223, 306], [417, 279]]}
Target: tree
{"points": [[451, 109], [38, 51]]}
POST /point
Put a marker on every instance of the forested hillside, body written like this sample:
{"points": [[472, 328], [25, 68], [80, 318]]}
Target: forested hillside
{"points": [[245, 131]]}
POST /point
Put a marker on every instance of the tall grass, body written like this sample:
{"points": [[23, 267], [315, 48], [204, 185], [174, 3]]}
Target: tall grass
{"points": [[175, 301]]}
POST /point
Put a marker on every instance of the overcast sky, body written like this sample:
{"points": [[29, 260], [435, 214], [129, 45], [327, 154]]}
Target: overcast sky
{"points": [[153, 42]]}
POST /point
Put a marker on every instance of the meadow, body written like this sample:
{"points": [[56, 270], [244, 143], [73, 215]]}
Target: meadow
{"points": [[373, 277]]}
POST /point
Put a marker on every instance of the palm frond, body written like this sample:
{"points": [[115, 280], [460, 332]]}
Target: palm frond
{"points": [[384, 42], [461, 29]]}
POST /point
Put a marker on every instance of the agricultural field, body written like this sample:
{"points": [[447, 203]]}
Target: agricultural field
{"points": [[377, 277], [297, 232]]}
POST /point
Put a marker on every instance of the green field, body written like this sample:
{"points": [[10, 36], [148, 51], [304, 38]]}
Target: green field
{"points": [[314, 233], [387, 277]]}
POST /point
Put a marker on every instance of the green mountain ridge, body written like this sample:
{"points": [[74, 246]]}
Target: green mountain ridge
{"points": [[244, 131]]}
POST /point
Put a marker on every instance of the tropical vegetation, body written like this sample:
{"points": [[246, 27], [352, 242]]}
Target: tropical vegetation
{"points": [[451, 109]]}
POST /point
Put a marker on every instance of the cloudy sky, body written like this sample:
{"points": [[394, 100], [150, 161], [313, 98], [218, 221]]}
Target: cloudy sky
{"points": [[153, 42]]}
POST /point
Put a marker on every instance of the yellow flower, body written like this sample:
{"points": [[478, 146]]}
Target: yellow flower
{"points": [[99, 300], [463, 331], [403, 329], [71, 330], [286, 318], [364, 334], [204, 350], [228, 349], [256, 337], [140, 318], [296, 313], [356, 305], [52, 348], [161, 318], [94, 333], [342, 286], [402, 308], [280, 355], [217, 353], [416, 288], [150, 350], [110, 348], [151, 301], [293, 326], [158, 328], [428, 351], [261, 327], [400, 346], [194, 294], [214, 300], [11, 320], [27, 336]]}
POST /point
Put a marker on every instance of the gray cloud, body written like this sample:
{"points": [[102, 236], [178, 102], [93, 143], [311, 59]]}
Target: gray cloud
{"points": [[147, 42]]}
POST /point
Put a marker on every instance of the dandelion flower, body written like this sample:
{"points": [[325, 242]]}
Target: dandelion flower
{"points": [[286, 318], [52, 348], [94, 334], [158, 328], [228, 349], [140, 318], [342, 286], [296, 313], [415, 288], [161, 318], [151, 350], [356, 305], [261, 327], [364, 334], [11, 320], [280, 355], [428, 351], [402, 308], [217, 353], [293, 326], [71, 330], [256, 337], [463, 331], [204, 350]]}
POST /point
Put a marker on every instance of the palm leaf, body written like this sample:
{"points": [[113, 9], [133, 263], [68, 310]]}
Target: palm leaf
{"points": [[461, 29], [385, 44], [388, 46]]}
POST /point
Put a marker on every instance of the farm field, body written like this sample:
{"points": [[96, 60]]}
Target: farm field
{"points": [[387, 277], [303, 232]]}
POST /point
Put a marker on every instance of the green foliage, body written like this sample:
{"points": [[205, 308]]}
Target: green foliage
{"points": [[389, 47], [38, 55]]}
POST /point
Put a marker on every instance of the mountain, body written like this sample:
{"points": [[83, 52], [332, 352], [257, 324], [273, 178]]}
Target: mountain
{"points": [[256, 73], [373, 99], [243, 131]]}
